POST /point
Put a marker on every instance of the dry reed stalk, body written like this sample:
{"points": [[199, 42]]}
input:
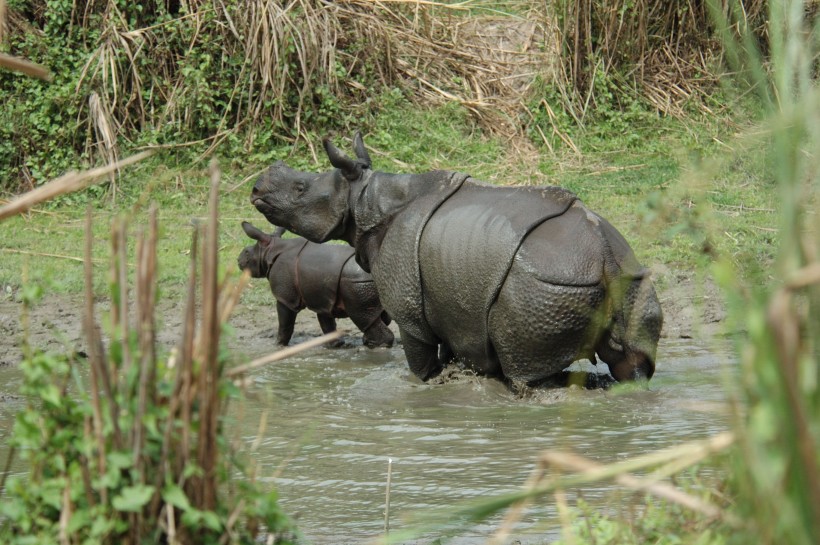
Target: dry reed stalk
{"points": [[387, 497], [121, 312], [146, 334], [23, 66], [208, 348], [784, 319], [564, 514], [182, 399], [572, 462], [282, 354], [67, 183], [44, 254], [95, 354], [186, 368], [7, 467], [106, 135]]}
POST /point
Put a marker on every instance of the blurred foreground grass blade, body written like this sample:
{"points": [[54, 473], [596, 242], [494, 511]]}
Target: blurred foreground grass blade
{"points": [[778, 417], [585, 472], [67, 183], [23, 66]]}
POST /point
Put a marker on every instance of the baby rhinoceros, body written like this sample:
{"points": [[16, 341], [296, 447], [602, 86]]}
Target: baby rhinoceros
{"points": [[323, 278]]}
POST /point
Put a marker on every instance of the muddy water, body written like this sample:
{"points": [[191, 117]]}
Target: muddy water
{"points": [[335, 417]]}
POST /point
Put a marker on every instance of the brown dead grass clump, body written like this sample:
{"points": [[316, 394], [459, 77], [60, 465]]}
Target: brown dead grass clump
{"points": [[207, 69], [666, 51]]}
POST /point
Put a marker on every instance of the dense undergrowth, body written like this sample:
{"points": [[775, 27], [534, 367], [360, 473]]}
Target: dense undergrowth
{"points": [[241, 78]]}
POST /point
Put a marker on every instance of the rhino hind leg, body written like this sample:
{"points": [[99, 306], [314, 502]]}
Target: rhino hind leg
{"points": [[559, 327], [287, 319]]}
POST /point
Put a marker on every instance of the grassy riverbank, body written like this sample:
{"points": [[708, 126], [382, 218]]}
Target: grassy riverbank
{"points": [[644, 182]]}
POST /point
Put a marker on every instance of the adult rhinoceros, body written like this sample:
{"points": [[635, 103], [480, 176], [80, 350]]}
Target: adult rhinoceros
{"points": [[517, 282]]}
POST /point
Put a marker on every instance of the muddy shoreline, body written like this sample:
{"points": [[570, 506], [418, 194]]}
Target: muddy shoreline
{"points": [[693, 309]]}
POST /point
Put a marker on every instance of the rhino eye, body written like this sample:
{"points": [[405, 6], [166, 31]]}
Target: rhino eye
{"points": [[298, 189]]}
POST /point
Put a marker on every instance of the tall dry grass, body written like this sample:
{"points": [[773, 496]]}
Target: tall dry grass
{"points": [[259, 73], [666, 51], [275, 56]]}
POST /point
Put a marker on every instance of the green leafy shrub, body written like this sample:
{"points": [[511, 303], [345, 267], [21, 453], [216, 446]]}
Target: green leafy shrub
{"points": [[135, 452]]}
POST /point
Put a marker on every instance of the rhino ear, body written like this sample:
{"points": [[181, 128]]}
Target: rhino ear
{"points": [[350, 169], [255, 234], [361, 151], [279, 232]]}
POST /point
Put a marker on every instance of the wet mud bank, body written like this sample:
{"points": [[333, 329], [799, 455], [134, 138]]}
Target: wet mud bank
{"points": [[693, 309]]}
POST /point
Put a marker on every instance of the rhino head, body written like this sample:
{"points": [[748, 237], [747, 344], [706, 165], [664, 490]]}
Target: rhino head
{"points": [[314, 206], [258, 257]]}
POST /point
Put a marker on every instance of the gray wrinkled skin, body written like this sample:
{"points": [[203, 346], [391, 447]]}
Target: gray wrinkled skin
{"points": [[516, 282], [323, 278]]}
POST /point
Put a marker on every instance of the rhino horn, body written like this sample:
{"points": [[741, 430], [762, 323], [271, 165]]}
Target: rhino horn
{"points": [[255, 233], [350, 169], [361, 151]]}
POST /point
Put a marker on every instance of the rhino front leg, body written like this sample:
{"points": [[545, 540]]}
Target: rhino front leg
{"points": [[328, 325], [421, 356], [287, 319], [376, 332]]}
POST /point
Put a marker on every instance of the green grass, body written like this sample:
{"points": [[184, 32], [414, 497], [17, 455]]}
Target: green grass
{"points": [[644, 189]]}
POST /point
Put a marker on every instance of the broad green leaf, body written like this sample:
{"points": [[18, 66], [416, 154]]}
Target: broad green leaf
{"points": [[211, 520], [51, 394], [133, 498], [174, 495], [120, 460]]}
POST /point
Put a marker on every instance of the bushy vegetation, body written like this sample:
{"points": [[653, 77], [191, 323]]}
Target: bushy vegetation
{"points": [[241, 78], [138, 453]]}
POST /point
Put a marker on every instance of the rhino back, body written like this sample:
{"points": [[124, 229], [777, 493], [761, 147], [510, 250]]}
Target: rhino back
{"points": [[466, 250], [579, 248]]}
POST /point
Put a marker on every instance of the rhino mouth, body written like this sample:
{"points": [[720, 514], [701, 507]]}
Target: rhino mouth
{"points": [[261, 205]]}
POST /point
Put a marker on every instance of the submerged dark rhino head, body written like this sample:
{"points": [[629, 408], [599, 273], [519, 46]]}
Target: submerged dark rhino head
{"points": [[517, 282]]}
